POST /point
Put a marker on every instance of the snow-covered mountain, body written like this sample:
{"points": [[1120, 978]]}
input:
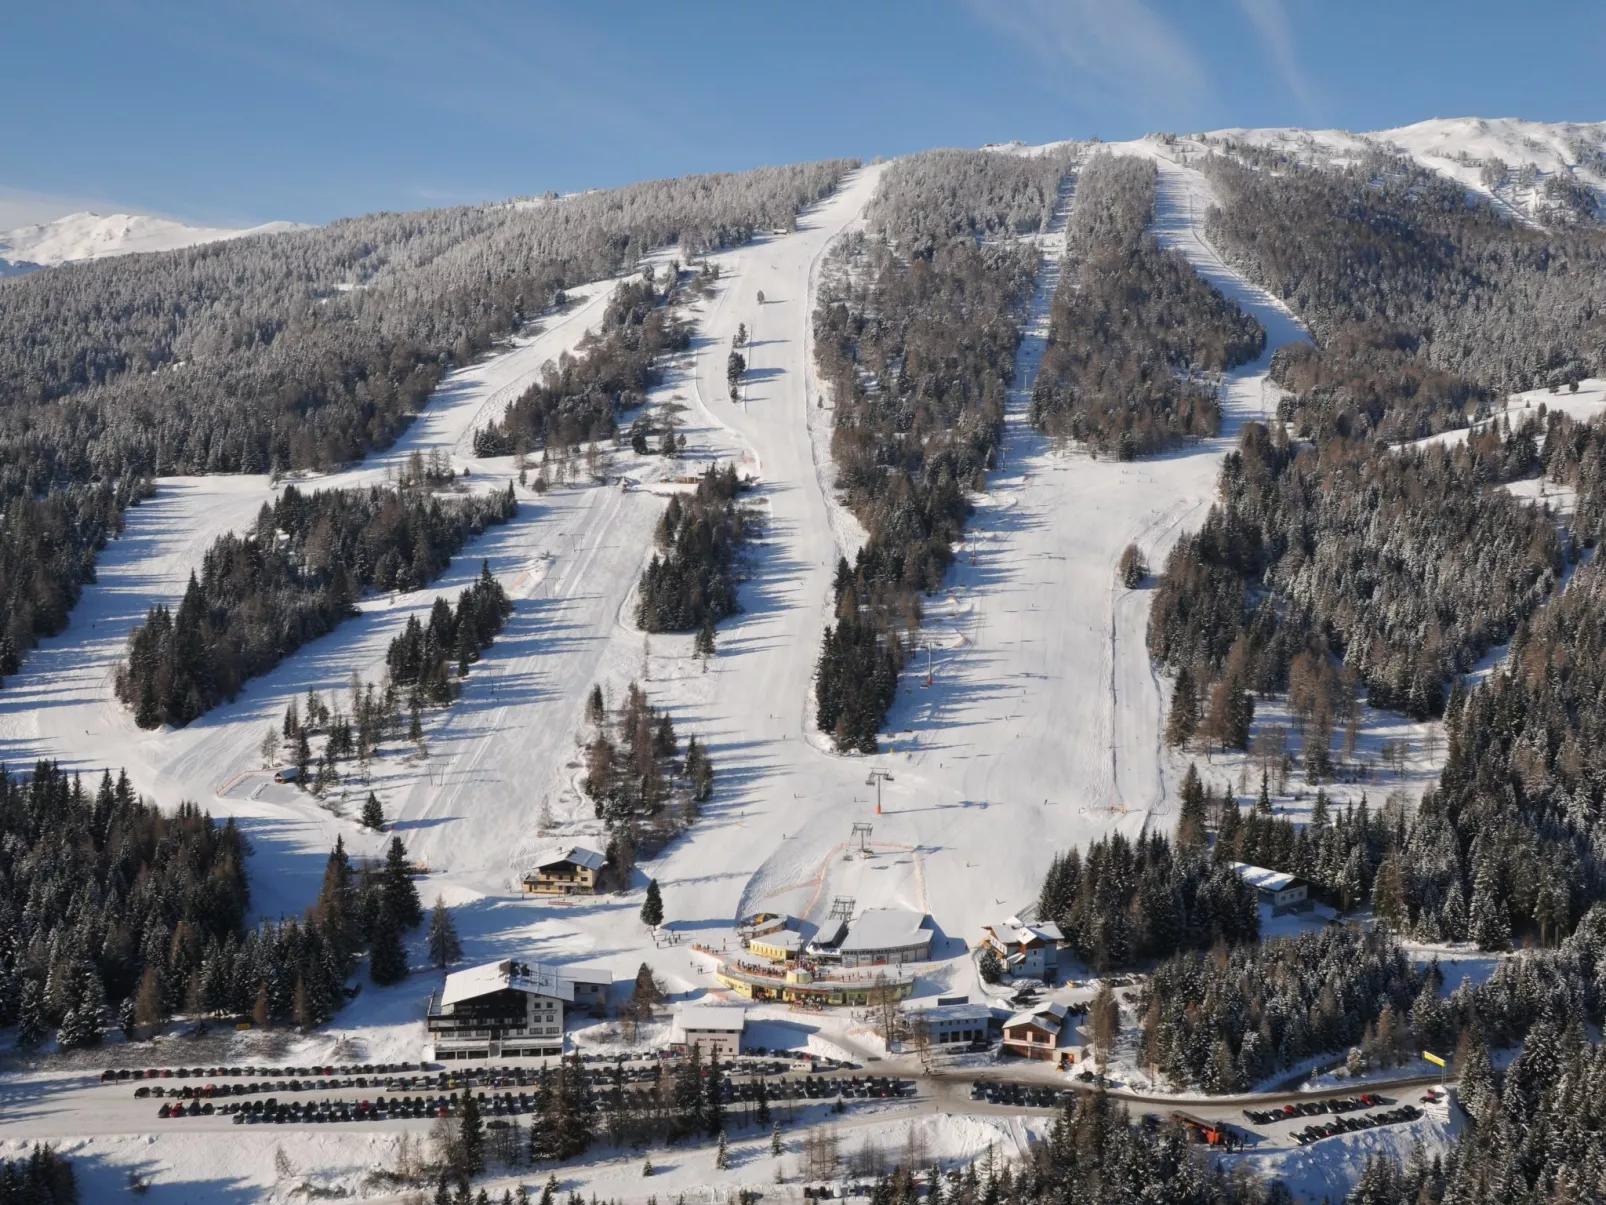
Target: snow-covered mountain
{"points": [[81, 236], [1543, 171]]}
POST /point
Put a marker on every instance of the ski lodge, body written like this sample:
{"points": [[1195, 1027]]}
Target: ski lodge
{"points": [[572, 871], [508, 1009], [780, 946]]}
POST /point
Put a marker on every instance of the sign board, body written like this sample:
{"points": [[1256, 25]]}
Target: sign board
{"points": [[1432, 1058]]}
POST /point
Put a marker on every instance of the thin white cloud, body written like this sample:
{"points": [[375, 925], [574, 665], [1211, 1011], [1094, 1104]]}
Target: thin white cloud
{"points": [[1276, 32], [1120, 49]]}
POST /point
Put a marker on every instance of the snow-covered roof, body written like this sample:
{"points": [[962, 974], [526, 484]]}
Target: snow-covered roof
{"points": [[886, 929], [1015, 932], [954, 1014], [578, 854], [1044, 1016], [586, 973], [714, 1018], [1265, 880], [536, 978]]}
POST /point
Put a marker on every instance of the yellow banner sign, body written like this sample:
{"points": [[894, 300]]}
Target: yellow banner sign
{"points": [[1432, 1058]]}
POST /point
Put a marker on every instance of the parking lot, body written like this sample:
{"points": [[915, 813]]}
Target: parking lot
{"points": [[365, 1093]]}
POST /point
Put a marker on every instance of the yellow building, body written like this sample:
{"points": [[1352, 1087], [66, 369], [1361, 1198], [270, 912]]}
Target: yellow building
{"points": [[572, 871], [781, 946], [800, 985]]}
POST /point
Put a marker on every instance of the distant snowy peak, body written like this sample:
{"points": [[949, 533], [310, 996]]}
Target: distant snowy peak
{"points": [[1545, 172], [80, 236]]}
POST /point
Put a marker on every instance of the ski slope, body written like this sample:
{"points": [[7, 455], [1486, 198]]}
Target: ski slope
{"points": [[1039, 730]]}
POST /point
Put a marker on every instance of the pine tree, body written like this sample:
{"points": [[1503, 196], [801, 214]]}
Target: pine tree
{"points": [[1192, 814], [471, 1133], [775, 1140], [303, 753], [31, 1026], [1478, 1094], [387, 962], [373, 813], [761, 1114], [1183, 721], [722, 1155], [444, 946], [652, 908], [1263, 800], [714, 1097], [401, 894]]}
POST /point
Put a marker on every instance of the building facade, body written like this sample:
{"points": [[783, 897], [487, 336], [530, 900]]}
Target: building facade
{"points": [[948, 1024], [711, 1029], [1029, 950], [1037, 1034], [886, 937], [1279, 891], [510, 1009], [499, 1010], [572, 871]]}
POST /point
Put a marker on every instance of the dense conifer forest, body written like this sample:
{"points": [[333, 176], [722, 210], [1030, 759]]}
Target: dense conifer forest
{"points": [[292, 351], [262, 595], [579, 400], [1125, 903], [1403, 566], [1535, 1128], [48, 546], [915, 341], [114, 913], [1424, 298], [42, 1177], [1225, 1023], [690, 583], [1135, 335], [428, 658], [96, 885]]}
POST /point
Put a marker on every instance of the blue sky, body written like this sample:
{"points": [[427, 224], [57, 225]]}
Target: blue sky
{"points": [[313, 109]]}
